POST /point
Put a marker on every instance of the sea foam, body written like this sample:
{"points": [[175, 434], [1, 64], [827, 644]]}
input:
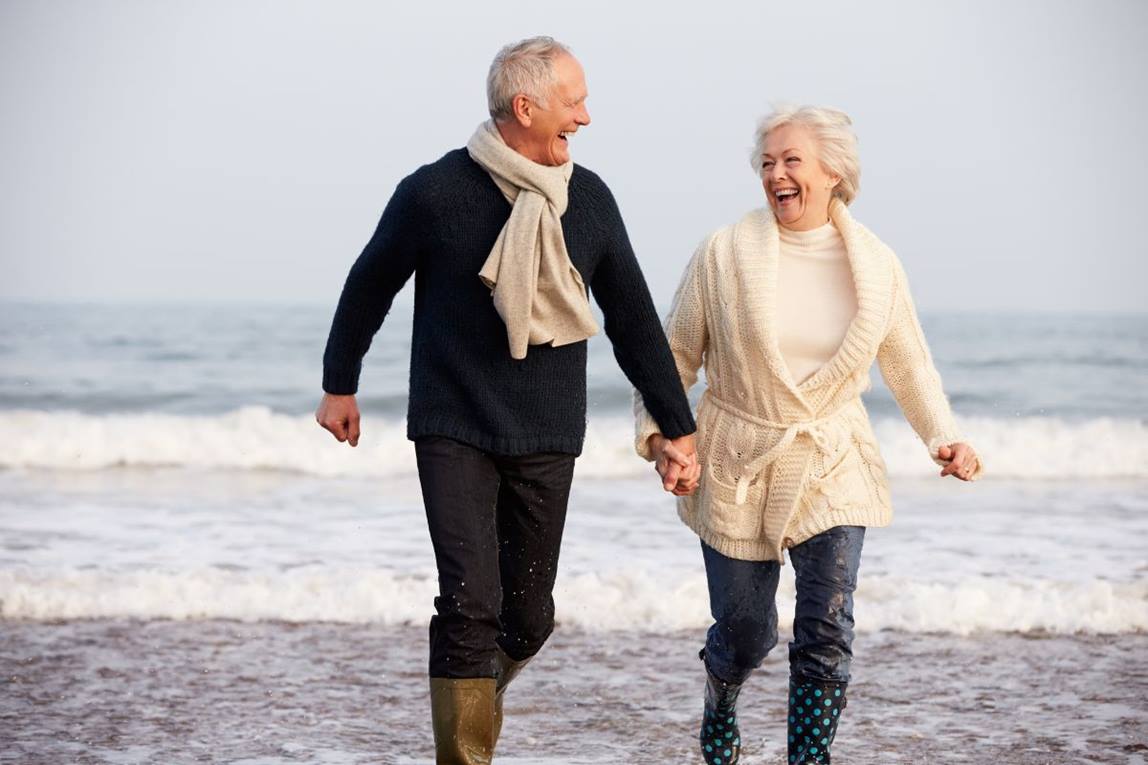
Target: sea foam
{"points": [[255, 438], [622, 599]]}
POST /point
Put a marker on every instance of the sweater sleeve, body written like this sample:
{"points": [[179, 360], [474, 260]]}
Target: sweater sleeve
{"points": [[687, 337], [631, 323], [377, 275], [908, 369]]}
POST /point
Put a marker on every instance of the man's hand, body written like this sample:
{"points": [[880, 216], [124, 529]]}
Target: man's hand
{"points": [[961, 458], [676, 462], [340, 415]]}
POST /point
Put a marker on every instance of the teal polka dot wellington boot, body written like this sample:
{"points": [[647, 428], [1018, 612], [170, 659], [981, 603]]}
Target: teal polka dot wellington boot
{"points": [[720, 739], [814, 711]]}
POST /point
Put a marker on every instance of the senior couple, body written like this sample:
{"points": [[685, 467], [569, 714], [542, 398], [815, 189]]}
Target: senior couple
{"points": [[786, 309]]}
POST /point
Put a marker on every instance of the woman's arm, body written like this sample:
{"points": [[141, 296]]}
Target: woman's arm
{"points": [[908, 369]]}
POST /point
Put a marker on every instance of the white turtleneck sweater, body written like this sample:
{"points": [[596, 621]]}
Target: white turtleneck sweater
{"points": [[816, 299]]}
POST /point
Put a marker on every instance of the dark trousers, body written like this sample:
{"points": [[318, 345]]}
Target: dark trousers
{"points": [[496, 526], [744, 608]]}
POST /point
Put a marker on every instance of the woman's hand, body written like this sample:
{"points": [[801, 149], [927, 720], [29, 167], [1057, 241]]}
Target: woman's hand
{"points": [[963, 461], [676, 462]]}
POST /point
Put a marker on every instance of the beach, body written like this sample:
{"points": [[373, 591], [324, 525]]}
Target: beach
{"points": [[119, 691]]}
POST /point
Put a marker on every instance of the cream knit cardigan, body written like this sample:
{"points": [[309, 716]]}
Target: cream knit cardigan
{"points": [[783, 462]]}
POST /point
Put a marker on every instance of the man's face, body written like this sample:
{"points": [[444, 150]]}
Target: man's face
{"points": [[553, 125]]}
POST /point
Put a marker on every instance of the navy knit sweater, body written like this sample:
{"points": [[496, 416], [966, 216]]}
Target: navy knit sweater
{"points": [[440, 225]]}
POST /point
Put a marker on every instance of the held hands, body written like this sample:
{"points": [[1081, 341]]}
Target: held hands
{"points": [[962, 461], [340, 415], [676, 461]]}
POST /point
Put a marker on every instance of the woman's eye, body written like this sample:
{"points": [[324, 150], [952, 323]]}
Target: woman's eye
{"points": [[766, 165], [792, 160]]}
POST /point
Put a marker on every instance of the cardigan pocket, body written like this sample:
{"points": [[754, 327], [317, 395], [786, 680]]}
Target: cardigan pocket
{"points": [[725, 514], [733, 500], [842, 484]]}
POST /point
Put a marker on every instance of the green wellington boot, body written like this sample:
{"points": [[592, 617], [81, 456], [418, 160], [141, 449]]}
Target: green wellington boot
{"points": [[508, 669], [462, 716]]}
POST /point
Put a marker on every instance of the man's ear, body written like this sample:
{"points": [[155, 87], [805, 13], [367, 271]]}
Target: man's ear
{"points": [[523, 110]]}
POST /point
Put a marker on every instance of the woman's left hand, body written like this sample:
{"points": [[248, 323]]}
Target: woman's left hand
{"points": [[962, 459]]}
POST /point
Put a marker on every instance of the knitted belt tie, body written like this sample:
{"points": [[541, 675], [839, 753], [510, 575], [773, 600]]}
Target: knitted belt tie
{"points": [[753, 468]]}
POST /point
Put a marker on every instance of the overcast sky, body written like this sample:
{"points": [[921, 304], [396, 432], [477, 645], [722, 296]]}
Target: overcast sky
{"points": [[244, 150]]}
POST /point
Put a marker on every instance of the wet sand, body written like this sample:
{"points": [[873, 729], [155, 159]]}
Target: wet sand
{"points": [[169, 692]]}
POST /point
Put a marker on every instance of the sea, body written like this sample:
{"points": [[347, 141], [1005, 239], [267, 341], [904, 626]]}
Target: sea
{"points": [[191, 570]]}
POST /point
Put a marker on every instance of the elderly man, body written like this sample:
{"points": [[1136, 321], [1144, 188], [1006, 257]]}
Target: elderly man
{"points": [[504, 237]]}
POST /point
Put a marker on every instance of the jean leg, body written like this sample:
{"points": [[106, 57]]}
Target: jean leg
{"points": [[743, 603], [460, 489], [531, 516], [826, 576]]}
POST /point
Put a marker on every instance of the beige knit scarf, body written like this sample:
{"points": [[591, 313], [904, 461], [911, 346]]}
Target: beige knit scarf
{"points": [[536, 289]]}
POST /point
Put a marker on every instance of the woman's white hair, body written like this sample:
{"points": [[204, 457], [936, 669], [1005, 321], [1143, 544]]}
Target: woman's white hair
{"points": [[832, 132], [525, 67]]}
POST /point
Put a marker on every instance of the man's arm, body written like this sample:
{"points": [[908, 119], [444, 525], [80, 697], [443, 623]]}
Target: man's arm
{"points": [[378, 274], [687, 337], [631, 323]]}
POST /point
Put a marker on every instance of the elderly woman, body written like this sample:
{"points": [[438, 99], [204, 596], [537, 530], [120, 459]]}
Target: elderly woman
{"points": [[787, 309]]}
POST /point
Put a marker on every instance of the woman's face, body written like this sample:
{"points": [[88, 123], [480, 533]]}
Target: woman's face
{"points": [[797, 186]]}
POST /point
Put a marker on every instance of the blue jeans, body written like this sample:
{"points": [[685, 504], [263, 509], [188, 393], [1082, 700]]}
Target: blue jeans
{"points": [[744, 608]]}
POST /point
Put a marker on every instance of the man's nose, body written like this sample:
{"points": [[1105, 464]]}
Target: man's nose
{"points": [[583, 117]]}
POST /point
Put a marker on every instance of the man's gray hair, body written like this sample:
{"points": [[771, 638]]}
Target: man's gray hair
{"points": [[525, 67], [832, 132]]}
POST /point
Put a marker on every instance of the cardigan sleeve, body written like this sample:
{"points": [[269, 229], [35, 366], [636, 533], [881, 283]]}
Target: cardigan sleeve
{"points": [[908, 369], [385, 265], [686, 332]]}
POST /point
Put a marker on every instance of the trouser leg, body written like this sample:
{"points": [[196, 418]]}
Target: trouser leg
{"points": [[460, 492], [821, 652], [743, 603], [825, 567], [532, 504]]}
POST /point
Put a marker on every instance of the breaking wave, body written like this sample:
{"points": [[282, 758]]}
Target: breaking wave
{"points": [[256, 438], [624, 599]]}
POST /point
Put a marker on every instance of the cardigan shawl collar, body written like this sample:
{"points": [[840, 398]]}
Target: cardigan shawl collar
{"points": [[757, 250]]}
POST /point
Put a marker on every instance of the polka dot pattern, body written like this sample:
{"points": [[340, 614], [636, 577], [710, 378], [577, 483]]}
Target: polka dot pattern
{"points": [[720, 738], [813, 716]]}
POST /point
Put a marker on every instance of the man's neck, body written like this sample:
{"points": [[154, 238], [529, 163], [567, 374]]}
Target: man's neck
{"points": [[513, 137]]}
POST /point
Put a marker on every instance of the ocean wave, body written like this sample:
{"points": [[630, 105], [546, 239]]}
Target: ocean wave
{"points": [[627, 599], [256, 438]]}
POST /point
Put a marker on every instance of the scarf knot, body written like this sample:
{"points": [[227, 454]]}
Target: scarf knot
{"points": [[536, 289]]}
